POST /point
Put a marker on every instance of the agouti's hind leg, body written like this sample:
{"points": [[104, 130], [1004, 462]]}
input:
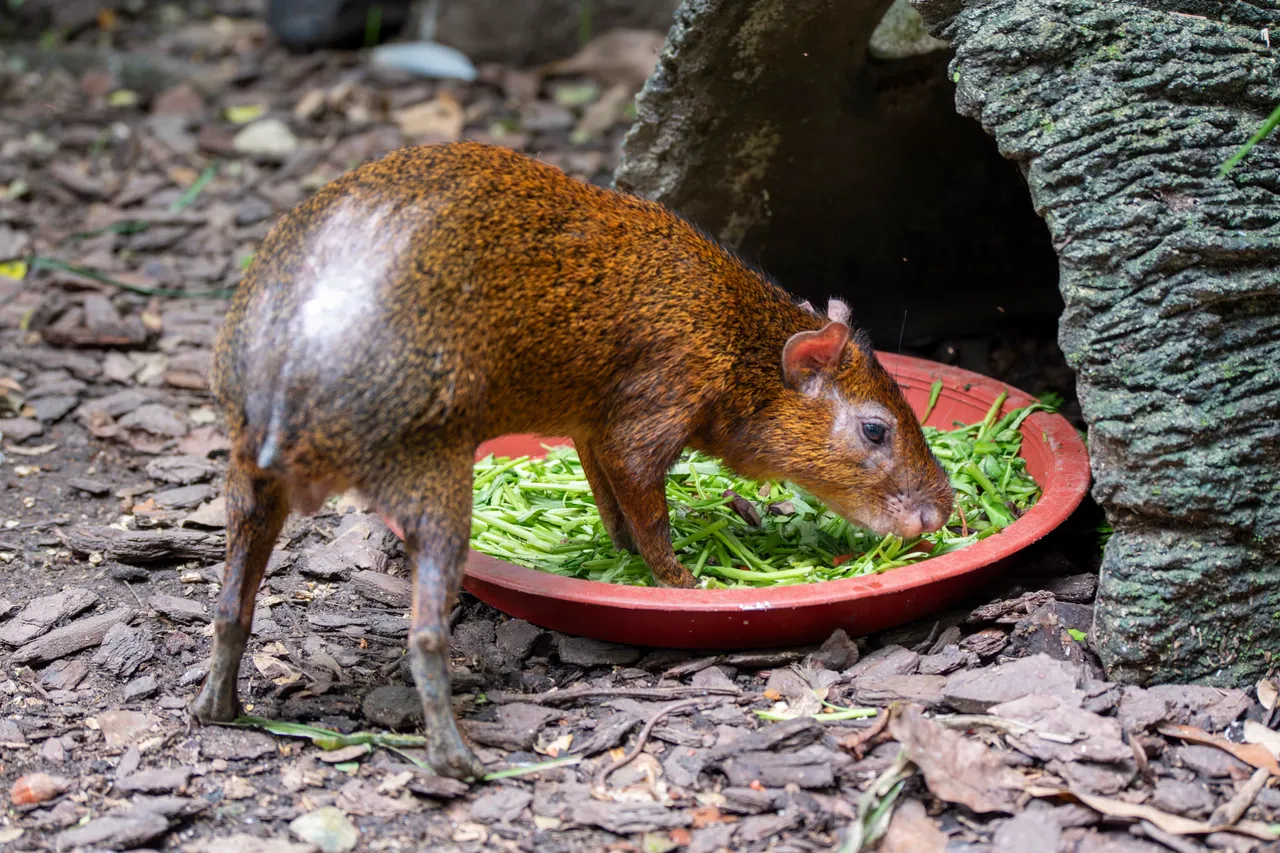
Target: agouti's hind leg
{"points": [[436, 536], [257, 505], [615, 523]]}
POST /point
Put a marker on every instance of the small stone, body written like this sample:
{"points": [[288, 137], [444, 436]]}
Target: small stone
{"points": [[43, 613], [141, 688], [20, 429], [393, 706], [516, 638], [384, 589], [97, 488], [838, 652], [628, 818], [244, 843], [180, 100], [974, 691], [124, 649], [156, 420], [327, 828], [234, 744], [120, 727], [181, 610], [181, 470], [584, 651], [946, 661], [183, 497], [503, 804], [64, 674], [53, 409], [1031, 830], [251, 210], [1210, 762], [883, 691], [69, 639], [1188, 799], [211, 515], [889, 660], [266, 139], [114, 832], [160, 781]]}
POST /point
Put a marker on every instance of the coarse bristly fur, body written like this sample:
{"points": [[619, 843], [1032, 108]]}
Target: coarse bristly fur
{"points": [[448, 294]]}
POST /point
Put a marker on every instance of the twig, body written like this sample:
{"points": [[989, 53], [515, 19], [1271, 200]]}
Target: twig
{"points": [[1168, 839], [608, 770], [964, 525], [564, 697], [1233, 809], [857, 740]]}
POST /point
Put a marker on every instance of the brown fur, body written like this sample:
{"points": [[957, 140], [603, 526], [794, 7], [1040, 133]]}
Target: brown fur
{"points": [[497, 295]]}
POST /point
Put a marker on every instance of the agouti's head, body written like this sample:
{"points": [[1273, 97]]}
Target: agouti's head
{"points": [[843, 430]]}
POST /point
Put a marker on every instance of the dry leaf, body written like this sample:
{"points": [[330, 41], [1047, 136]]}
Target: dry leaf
{"points": [[955, 768], [1267, 693], [440, 120], [617, 56], [1173, 824], [1255, 732], [1255, 755], [912, 831]]}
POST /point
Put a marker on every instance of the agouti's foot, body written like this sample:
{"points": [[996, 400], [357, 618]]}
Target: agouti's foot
{"points": [[678, 580], [211, 706], [449, 755]]}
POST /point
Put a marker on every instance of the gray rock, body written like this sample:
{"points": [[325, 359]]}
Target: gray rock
{"points": [[628, 818], [1209, 762], [43, 613], [69, 639], [1185, 798], [1176, 355], [516, 638], [1031, 830], [142, 687], [503, 803], [182, 610], [977, 690], [124, 649], [584, 651], [888, 660], [393, 706], [183, 497], [20, 429], [52, 409]]}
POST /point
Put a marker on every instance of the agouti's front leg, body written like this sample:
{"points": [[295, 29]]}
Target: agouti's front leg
{"points": [[436, 536], [257, 505], [639, 484], [615, 523]]}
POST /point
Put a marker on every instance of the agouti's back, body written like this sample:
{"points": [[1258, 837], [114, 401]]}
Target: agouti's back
{"points": [[467, 284]]}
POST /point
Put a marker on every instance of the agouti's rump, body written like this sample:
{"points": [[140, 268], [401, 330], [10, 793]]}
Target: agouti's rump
{"points": [[448, 294]]}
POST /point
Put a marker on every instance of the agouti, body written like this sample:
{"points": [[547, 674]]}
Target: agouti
{"points": [[448, 294]]}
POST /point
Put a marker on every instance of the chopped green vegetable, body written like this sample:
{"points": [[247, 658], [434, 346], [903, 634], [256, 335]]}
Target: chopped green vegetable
{"points": [[540, 513], [1077, 635]]}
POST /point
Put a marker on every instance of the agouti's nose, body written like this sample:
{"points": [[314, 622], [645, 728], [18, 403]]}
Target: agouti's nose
{"points": [[930, 518]]}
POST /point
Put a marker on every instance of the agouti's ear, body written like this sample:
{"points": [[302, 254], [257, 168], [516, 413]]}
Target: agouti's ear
{"points": [[809, 354]]}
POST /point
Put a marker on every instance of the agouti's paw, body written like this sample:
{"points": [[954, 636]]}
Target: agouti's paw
{"points": [[678, 580]]}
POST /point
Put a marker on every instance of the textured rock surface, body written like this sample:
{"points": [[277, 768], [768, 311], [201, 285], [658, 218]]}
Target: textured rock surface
{"points": [[1119, 115], [838, 163]]}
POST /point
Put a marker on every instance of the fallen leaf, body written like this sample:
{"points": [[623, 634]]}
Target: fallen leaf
{"points": [[1267, 693], [616, 56], [911, 830], [439, 120], [244, 114], [1173, 824], [955, 768], [1255, 732], [1253, 754]]}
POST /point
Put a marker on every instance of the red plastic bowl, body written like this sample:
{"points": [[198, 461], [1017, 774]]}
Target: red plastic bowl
{"points": [[804, 613]]}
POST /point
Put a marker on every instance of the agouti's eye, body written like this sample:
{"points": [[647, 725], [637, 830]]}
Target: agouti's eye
{"points": [[873, 432]]}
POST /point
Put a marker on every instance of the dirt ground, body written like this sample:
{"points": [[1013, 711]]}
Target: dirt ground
{"points": [[137, 191]]}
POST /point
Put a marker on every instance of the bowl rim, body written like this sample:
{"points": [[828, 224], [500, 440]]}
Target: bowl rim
{"points": [[1069, 479]]}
